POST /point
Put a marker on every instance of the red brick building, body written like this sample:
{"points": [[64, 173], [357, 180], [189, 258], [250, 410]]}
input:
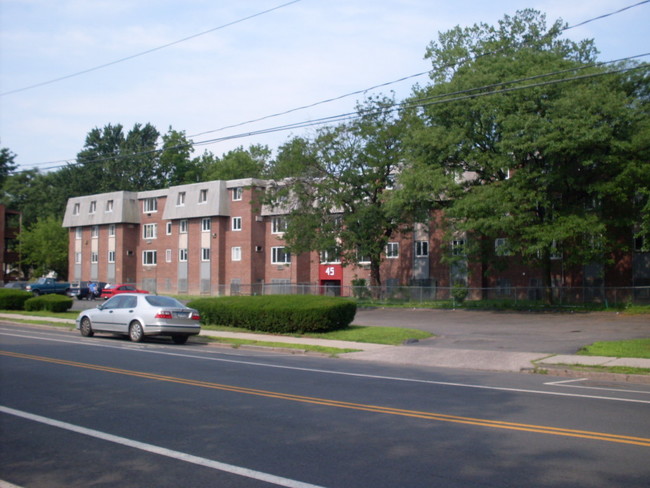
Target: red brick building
{"points": [[10, 226], [216, 238]]}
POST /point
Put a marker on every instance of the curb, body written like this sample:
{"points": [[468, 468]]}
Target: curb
{"points": [[566, 372]]}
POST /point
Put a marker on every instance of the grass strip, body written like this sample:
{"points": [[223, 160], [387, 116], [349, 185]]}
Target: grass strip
{"points": [[330, 351], [633, 348]]}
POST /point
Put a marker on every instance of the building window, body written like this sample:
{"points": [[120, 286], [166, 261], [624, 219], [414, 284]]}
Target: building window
{"points": [[458, 247], [168, 255], [182, 255], [111, 230], [93, 207], [168, 228], [77, 258], [330, 257], [421, 249], [205, 254], [206, 224], [501, 247], [94, 258], [75, 209], [278, 225], [150, 205], [280, 256], [203, 196], [235, 253], [392, 250], [77, 233], [237, 194], [236, 223], [180, 199], [183, 226], [150, 231], [95, 231], [109, 206], [149, 258], [111, 256]]}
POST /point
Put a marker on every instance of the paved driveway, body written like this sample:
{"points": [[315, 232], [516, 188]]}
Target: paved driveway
{"points": [[555, 333]]}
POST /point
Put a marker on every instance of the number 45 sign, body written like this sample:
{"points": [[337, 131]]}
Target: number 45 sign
{"points": [[331, 272]]}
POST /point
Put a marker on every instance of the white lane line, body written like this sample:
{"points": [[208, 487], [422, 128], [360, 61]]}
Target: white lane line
{"points": [[92, 342], [181, 456], [575, 380], [567, 384]]}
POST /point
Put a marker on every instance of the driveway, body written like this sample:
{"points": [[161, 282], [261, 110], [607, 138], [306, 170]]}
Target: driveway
{"points": [[554, 333]]}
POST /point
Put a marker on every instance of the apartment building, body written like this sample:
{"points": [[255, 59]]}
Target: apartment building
{"points": [[216, 238], [10, 227]]}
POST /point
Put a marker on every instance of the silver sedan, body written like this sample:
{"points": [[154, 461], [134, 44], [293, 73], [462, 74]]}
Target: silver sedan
{"points": [[138, 315]]}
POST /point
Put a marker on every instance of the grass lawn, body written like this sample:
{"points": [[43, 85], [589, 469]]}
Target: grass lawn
{"points": [[635, 348]]}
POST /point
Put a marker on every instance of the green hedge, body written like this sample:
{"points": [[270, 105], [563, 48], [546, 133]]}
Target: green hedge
{"points": [[12, 299], [49, 303], [284, 314]]}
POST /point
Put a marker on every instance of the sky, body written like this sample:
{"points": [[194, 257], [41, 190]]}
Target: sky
{"points": [[259, 58]]}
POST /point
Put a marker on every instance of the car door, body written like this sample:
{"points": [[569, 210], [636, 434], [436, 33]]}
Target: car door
{"points": [[123, 315], [105, 318]]}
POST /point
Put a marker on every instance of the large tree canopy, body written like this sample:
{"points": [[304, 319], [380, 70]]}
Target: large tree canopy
{"points": [[546, 162]]}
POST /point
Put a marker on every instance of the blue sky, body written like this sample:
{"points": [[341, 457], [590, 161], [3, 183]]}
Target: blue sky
{"points": [[296, 55]]}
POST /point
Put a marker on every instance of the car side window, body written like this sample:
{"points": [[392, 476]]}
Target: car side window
{"points": [[130, 302], [115, 302]]}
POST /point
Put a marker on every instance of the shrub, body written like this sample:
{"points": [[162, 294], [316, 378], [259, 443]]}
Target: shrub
{"points": [[49, 303], [11, 299], [292, 314]]}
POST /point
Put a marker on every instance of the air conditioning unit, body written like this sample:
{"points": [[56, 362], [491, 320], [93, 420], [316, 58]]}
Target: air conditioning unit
{"points": [[258, 248], [129, 253], [259, 218]]}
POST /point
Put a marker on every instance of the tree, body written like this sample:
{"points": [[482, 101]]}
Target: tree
{"points": [[240, 163], [176, 167], [541, 161], [44, 247], [7, 164], [343, 201]]}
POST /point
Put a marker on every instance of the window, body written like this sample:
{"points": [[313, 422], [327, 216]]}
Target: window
{"points": [[180, 199], [109, 206], [168, 228], [75, 209], [203, 196], [77, 258], [95, 231], [421, 249], [237, 194], [392, 250], [501, 247], [235, 253], [93, 207], [183, 226], [94, 258], [458, 247], [150, 205], [329, 257], [278, 225], [149, 258], [111, 230], [206, 224], [150, 231], [280, 256], [111, 256], [77, 233], [236, 223], [182, 255], [168, 255], [205, 254]]}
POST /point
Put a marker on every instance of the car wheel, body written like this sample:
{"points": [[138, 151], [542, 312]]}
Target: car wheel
{"points": [[36, 293], [180, 339], [136, 334], [86, 327]]}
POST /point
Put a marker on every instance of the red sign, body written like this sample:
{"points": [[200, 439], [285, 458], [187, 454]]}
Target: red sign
{"points": [[330, 272]]}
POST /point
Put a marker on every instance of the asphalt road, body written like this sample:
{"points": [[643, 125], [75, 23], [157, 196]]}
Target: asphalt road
{"points": [[105, 412]]}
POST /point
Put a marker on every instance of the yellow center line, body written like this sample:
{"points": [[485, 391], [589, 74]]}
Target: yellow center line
{"points": [[496, 424]]}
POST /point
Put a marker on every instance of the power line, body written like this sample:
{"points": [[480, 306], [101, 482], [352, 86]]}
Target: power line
{"points": [[148, 51]]}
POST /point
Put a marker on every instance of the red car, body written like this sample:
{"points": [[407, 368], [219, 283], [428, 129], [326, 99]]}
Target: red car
{"points": [[112, 290]]}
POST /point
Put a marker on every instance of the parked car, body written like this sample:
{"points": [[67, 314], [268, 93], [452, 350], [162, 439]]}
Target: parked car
{"points": [[138, 315], [112, 290], [17, 285], [43, 286], [80, 289]]}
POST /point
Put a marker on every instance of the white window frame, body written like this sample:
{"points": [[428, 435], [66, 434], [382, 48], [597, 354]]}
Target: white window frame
{"points": [[236, 224], [150, 205], [149, 258], [280, 256], [150, 231], [109, 206], [278, 225], [182, 226], [205, 254], [180, 199], [237, 194], [94, 231], [182, 255], [111, 230], [94, 257], [235, 253], [111, 256], [206, 224], [501, 247], [458, 247], [93, 207], [77, 258], [392, 250], [168, 255], [421, 249], [76, 209], [203, 196], [78, 233], [168, 228]]}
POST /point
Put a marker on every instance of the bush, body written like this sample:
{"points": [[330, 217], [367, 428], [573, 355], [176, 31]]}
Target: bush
{"points": [[286, 314], [11, 299], [49, 303]]}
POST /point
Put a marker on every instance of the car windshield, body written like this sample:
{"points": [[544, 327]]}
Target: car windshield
{"points": [[160, 301]]}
